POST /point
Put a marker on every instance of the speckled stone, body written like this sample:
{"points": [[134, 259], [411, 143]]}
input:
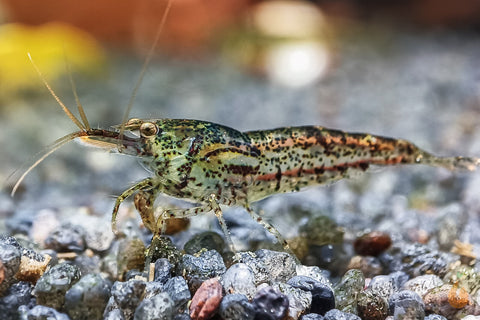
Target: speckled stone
{"points": [[239, 278], [206, 300], [299, 301], [270, 304], [126, 296], [178, 291], [41, 313], [322, 295], [66, 238], [18, 294], [347, 290], [115, 314], [158, 307], [87, 298], [422, 284], [313, 316], [406, 305], [315, 273], [265, 265], [163, 270], [51, 287], [382, 286], [336, 314], [236, 307], [208, 240], [439, 317], [199, 269], [371, 306], [444, 300]]}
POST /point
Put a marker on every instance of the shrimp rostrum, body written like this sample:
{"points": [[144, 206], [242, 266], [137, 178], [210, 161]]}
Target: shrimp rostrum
{"points": [[212, 165]]}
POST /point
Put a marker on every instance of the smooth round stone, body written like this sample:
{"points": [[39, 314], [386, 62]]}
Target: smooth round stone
{"points": [[205, 240], [322, 295], [299, 301], [41, 313], [236, 307], [239, 278], [422, 284], [336, 314], [406, 305], [371, 306], [347, 290]]}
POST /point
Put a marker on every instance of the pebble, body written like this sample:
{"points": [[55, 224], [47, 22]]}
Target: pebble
{"points": [[371, 306], [66, 238], [321, 230], [98, 234], [87, 264], [270, 304], [126, 296], [422, 284], [299, 301], [158, 307], [18, 294], [336, 314], [130, 255], [269, 266], [239, 278], [450, 302], [206, 300], [347, 290], [51, 287], [370, 266], [382, 286], [208, 240], [41, 313], [406, 304], [236, 307], [439, 317], [323, 299], [162, 271], [178, 291], [313, 316], [314, 272], [196, 270], [87, 298], [372, 243], [153, 288], [10, 257], [115, 314], [162, 247]]}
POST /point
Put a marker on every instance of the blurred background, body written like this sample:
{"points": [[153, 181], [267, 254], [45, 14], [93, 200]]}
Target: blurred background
{"points": [[407, 69]]}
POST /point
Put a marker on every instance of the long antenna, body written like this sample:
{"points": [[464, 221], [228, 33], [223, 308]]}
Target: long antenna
{"points": [[81, 111], [144, 67], [65, 109]]}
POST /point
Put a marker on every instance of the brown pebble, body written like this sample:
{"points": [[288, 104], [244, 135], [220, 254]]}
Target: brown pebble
{"points": [[372, 244], [31, 269], [2, 272], [439, 300], [206, 300]]}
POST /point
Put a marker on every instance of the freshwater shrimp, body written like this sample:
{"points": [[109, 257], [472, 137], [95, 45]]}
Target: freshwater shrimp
{"points": [[211, 165]]}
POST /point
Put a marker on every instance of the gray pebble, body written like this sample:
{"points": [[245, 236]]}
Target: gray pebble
{"points": [[178, 291], [42, 313], [269, 266], [163, 270], [182, 316], [336, 314], [51, 287], [299, 301], [382, 286], [18, 294], [66, 238], [88, 297], [314, 272], [115, 314], [10, 257], [322, 295], [422, 284], [239, 278], [406, 305], [153, 288], [198, 269], [159, 307], [98, 235], [126, 296], [313, 316], [236, 307], [269, 304], [87, 264]]}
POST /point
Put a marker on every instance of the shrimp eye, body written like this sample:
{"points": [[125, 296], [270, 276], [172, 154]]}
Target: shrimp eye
{"points": [[148, 129]]}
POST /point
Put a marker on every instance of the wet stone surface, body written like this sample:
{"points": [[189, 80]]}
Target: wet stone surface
{"points": [[195, 269], [236, 307]]}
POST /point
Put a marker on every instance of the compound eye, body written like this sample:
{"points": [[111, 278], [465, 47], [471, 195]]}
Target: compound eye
{"points": [[148, 129]]}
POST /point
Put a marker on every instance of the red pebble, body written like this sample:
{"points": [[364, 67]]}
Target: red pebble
{"points": [[372, 244], [206, 300]]}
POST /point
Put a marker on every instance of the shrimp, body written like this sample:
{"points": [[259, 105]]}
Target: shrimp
{"points": [[212, 165]]}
